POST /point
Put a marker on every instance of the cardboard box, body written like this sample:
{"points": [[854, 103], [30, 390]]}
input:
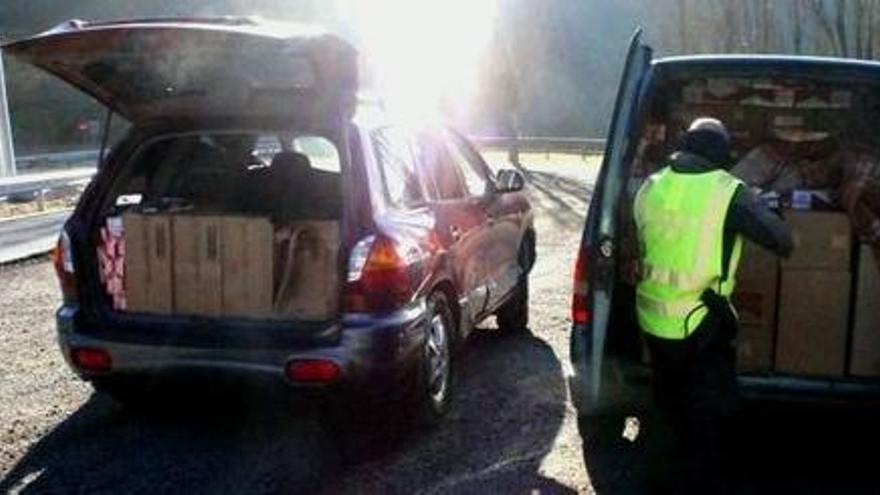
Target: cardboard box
{"points": [[308, 287], [211, 265], [865, 355], [148, 263], [754, 348], [197, 270], [248, 268], [813, 318], [822, 241], [757, 285], [755, 302]]}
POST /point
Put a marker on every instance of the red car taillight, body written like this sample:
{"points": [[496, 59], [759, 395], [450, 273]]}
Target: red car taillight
{"points": [[62, 259], [580, 306], [313, 371], [382, 275], [91, 359]]}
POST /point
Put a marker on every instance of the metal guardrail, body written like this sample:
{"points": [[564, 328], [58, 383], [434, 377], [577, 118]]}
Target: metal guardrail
{"points": [[38, 183], [60, 158], [542, 144]]}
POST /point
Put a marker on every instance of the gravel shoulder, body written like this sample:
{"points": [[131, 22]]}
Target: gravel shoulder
{"points": [[511, 429]]}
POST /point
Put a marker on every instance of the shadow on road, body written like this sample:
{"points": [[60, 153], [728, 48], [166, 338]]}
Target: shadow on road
{"points": [[510, 403], [773, 449], [564, 199], [101, 449], [508, 409]]}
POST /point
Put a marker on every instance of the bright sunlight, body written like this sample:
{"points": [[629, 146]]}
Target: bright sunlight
{"points": [[425, 55]]}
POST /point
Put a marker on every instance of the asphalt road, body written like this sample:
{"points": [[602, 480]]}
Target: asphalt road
{"points": [[511, 428], [23, 237]]}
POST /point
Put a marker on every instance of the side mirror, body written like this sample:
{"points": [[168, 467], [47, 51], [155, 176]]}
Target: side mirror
{"points": [[509, 181]]}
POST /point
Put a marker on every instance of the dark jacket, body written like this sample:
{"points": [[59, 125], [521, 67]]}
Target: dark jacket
{"points": [[747, 216]]}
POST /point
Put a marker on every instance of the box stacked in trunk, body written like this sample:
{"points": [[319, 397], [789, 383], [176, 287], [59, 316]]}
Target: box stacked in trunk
{"points": [[224, 265]]}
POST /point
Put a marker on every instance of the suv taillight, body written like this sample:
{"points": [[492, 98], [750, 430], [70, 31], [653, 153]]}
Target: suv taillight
{"points": [[580, 306], [62, 258], [382, 275]]}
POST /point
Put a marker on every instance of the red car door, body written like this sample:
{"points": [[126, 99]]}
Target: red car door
{"points": [[461, 221], [506, 218]]}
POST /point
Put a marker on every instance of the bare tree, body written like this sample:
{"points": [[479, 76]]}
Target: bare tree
{"points": [[823, 19], [766, 22], [840, 18], [731, 21], [683, 24], [870, 20], [844, 28]]}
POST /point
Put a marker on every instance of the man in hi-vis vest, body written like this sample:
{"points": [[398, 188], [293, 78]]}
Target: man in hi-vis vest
{"points": [[691, 218]]}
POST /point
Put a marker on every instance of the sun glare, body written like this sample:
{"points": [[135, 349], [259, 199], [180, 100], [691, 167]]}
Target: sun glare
{"points": [[423, 55]]}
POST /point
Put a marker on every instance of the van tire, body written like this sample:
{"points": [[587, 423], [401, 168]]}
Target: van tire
{"points": [[428, 403]]}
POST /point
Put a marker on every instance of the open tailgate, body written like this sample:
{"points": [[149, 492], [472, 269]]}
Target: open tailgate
{"points": [[197, 68]]}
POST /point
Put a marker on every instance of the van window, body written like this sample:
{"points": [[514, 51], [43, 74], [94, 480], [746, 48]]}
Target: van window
{"points": [[394, 155]]}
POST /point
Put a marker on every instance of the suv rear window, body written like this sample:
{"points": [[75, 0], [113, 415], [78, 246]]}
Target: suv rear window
{"points": [[394, 154], [225, 171]]}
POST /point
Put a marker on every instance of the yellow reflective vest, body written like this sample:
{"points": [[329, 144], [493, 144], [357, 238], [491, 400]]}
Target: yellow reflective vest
{"points": [[680, 221]]}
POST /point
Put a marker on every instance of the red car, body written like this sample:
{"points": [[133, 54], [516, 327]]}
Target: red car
{"points": [[237, 119]]}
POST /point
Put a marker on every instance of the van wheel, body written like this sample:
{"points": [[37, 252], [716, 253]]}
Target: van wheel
{"points": [[433, 381], [513, 316]]}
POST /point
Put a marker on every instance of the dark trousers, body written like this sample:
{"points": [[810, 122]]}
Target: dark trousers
{"points": [[695, 392]]}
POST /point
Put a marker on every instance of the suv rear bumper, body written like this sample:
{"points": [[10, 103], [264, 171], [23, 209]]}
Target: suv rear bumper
{"points": [[372, 353]]}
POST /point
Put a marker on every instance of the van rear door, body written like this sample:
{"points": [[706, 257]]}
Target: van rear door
{"points": [[595, 275]]}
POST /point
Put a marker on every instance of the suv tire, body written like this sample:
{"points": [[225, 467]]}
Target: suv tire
{"points": [[430, 392], [513, 316]]}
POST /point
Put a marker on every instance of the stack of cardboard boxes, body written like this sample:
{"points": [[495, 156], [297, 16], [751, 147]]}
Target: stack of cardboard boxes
{"points": [[815, 295], [796, 315], [755, 302], [148, 277], [228, 265]]}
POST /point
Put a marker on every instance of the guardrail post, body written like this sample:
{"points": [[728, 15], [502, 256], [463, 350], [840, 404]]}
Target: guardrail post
{"points": [[7, 154]]}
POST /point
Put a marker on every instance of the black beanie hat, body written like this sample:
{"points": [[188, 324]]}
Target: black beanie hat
{"points": [[709, 139]]}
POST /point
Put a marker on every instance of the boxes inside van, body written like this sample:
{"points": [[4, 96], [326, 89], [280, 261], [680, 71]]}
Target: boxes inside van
{"points": [[801, 144], [227, 225]]}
